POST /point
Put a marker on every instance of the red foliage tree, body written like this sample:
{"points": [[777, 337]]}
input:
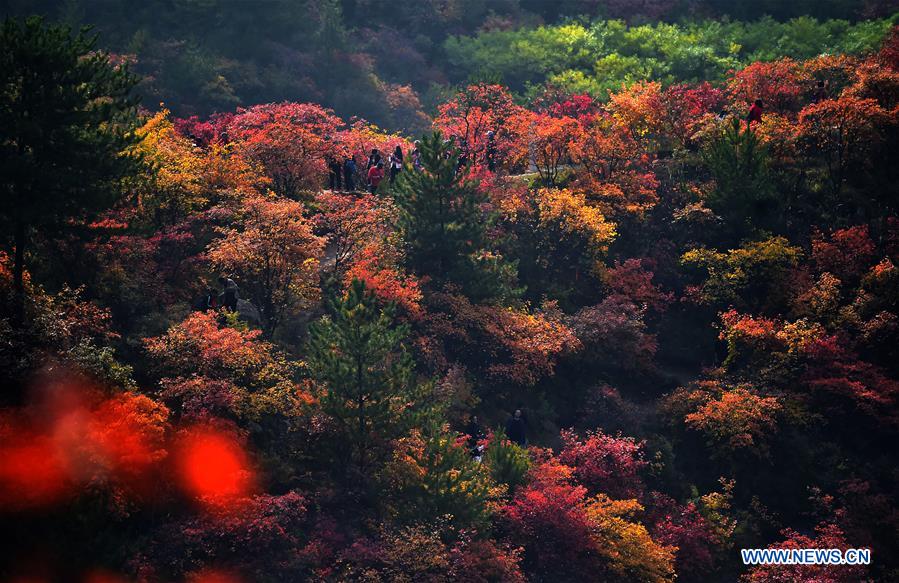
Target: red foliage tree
{"points": [[604, 463], [289, 140], [779, 84], [686, 106], [827, 536], [846, 253], [846, 132], [633, 280], [474, 111], [614, 332], [684, 527]]}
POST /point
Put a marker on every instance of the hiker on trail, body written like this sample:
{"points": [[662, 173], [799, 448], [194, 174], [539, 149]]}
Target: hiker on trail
{"points": [[205, 302], [396, 163], [229, 296], [375, 175], [490, 152], [473, 430], [334, 172], [416, 156], [820, 93], [516, 429], [349, 173], [463, 156], [448, 143], [373, 159], [755, 112]]}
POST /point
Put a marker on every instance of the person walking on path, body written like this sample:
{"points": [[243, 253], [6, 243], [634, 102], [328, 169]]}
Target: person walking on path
{"points": [[230, 294], [755, 112], [349, 173], [373, 159], [334, 173], [416, 156], [375, 175], [396, 163], [516, 429]]}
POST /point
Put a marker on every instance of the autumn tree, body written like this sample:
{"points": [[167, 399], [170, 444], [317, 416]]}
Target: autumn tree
{"points": [[845, 132], [561, 239], [476, 110], [66, 116], [275, 257], [735, 419], [825, 536], [207, 368], [640, 109], [366, 379], [434, 477], [506, 344], [548, 142], [605, 463], [613, 167], [615, 335], [779, 84], [755, 274], [444, 225], [744, 192], [180, 184], [289, 140], [687, 107], [568, 535], [567, 214]]}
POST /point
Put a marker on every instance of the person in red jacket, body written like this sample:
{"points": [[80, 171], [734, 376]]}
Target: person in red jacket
{"points": [[375, 175], [755, 112]]}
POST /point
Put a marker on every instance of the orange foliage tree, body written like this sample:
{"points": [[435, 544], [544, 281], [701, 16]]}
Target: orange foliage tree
{"points": [[614, 168], [274, 255], [846, 132], [640, 108], [362, 245], [544, 139], [511, 344]]}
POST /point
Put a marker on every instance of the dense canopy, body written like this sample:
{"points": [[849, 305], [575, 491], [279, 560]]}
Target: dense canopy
{"points": [[448, 291]]}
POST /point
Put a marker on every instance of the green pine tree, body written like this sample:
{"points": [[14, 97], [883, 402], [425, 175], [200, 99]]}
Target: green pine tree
{"points": [[744, 194], [445, 226], [508, 462], [453, 486], [367, 379], [66, 115]]}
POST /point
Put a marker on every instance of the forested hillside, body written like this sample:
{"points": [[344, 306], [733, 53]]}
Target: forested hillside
{"points": [[392, 64], [619, 302]]}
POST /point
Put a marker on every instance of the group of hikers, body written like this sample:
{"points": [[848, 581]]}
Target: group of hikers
{"points": [[342, 174], [212, 300], [516, 432]]}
